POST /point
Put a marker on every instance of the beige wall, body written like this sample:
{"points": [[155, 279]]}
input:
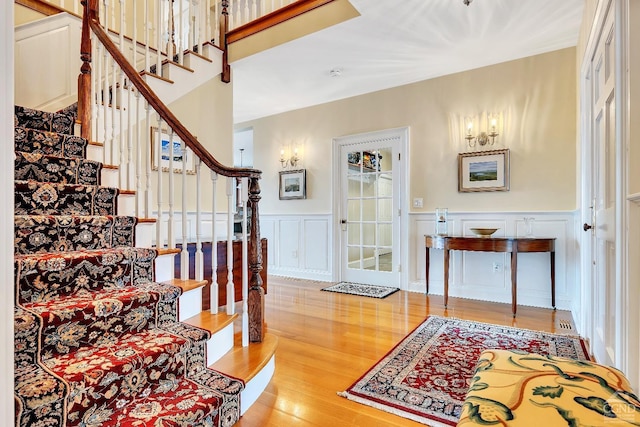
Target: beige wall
{"points": [[207, 114], [536, 93]]}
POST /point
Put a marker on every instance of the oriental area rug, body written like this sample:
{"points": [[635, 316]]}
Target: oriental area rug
{"points": [[373, 291], [426, 376]]}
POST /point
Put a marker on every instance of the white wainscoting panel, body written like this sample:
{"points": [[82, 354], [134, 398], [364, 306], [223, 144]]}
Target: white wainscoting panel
{"points": [[47, 55], [487, 275], [300, 245]]}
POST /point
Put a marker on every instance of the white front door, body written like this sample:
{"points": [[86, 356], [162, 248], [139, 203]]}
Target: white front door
{"points": [[369, 210], [604, 284]]}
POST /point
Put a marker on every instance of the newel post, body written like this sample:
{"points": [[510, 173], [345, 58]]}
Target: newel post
{"points": [[224, 26], [255, 301], [90, 11]]}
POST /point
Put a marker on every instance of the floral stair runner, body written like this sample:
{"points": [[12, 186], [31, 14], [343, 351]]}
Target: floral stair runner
{"points": [[97, 341]]}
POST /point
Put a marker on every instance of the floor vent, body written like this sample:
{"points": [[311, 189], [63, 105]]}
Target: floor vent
{"points": [[564, 325]]}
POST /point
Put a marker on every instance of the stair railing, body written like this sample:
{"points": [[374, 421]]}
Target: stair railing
{"points": [[123, 104]]}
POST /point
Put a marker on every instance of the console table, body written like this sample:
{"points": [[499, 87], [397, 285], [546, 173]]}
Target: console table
{"points": [[490, 244]]}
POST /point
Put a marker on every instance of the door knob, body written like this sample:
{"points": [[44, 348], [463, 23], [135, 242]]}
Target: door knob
{"points": [[586, 227]]}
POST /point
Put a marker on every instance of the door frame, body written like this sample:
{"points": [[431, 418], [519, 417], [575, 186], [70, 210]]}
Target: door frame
{"points": [[402, 170], [588, 292]]}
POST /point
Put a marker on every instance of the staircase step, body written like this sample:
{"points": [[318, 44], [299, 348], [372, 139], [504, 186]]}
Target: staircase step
{"points": [[50, 143], [62, 233], [137, 363], [245, 363], [97, 318], [45, 277], [61, 122], [179, 402], [36, 198], [64, 170]]}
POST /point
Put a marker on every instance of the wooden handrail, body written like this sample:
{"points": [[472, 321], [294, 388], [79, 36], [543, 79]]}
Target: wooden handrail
{"points": [[43, 7], [274, 18], [162, 110]]}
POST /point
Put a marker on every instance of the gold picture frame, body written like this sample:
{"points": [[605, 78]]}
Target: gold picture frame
{"points": [[483, 171], [180, 160]]}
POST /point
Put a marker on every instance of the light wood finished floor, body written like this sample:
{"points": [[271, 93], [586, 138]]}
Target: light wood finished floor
{"points": [[326, 341]]}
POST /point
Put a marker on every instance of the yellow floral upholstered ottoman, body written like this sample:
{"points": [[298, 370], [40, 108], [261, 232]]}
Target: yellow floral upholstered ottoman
{"points": [[517, 389]]}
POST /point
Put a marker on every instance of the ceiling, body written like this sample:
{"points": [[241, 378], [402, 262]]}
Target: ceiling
{"points": [[396, 42]]}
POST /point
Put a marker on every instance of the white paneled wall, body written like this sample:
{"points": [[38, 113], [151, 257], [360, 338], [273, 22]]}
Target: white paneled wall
{"points": [[487, 275], [299, 245], [48, 57]]}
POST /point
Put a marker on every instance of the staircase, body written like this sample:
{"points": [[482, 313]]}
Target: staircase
{"points": [[97, 340]]}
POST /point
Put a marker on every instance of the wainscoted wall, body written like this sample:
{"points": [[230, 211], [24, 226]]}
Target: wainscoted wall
{"points": [[487, 275], [299, 245], [302, 246]]}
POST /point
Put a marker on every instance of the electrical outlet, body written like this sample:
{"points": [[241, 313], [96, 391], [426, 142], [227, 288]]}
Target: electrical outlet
{"points": [[417, 202], [497, 267]]}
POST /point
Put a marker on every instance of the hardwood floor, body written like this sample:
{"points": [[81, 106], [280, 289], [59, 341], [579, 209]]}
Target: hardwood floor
{"points": [[328, 340]]}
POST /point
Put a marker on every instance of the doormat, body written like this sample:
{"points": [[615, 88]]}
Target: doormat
{"points": [[373, 291], [426, 376]]}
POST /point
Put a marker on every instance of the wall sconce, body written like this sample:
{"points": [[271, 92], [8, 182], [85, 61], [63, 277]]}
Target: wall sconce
{"points": [[292, 160], [482, 137]]}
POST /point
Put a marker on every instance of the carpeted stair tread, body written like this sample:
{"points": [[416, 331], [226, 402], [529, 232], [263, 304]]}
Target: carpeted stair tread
{"points": [[44, 277], [180, 402], [120, 369], [37, 198], [65, 170], [95, 318], [50, 143], [61, 122], [62, 233]]}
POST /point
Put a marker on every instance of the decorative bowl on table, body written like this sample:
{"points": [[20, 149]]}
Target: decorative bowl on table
{"points": [[483, 232]]}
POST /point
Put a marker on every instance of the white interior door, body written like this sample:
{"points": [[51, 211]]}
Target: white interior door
{"points": [[370, 210], [604, 288]]}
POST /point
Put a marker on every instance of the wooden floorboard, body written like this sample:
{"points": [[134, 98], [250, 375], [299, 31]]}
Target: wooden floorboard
{"points": [[326, 341]]}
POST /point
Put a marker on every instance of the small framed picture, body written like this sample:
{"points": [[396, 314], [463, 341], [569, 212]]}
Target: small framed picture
{"points": [[483, 171], [293, 184], [160, 141]]}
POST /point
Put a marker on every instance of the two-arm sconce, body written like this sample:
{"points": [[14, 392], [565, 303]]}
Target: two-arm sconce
{"points": [[289, 160], [483, 137]]}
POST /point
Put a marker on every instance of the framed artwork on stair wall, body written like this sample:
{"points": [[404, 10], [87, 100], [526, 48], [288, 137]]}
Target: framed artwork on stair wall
{"points": [[162, 139]]}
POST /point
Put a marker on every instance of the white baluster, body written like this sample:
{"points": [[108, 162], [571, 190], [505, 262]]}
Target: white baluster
{"points": [[254, 10], [170, 233], [215, 31], [199, 261], [244, 195], [246, 17], [158, 156], [230, 209], [184, 255], [95, 84], [113, 94], [106, 148], [263, 7], [213, 290], [238, 19], [231, 15], [273, 5], [148, 161], [158, 29], [122, 183], [193, 39], [181, 43], [140, 194], [147, 24]]}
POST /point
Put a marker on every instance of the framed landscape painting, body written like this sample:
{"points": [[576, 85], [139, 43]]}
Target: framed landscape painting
{"points": [[293, 184], [483, 171], [160, 141]]}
